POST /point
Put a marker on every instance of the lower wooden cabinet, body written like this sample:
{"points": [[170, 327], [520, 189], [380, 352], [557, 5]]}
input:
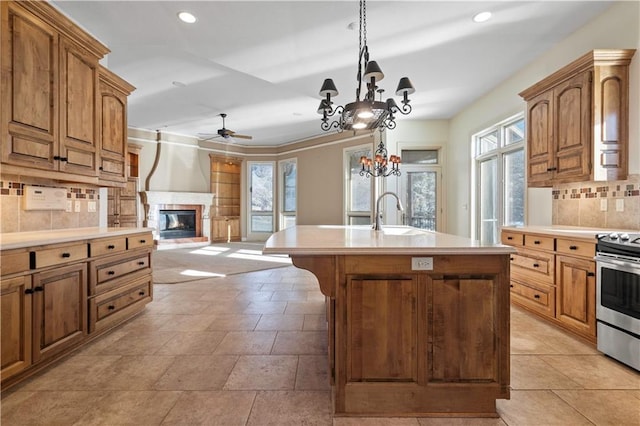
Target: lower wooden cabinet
{"points": [[15, 328], [112, 307], [225, 229], [535, 296], [59, 310], [576, 293]]}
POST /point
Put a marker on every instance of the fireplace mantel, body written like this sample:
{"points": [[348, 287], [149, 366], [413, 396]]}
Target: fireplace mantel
{"points": [[151, 201]]}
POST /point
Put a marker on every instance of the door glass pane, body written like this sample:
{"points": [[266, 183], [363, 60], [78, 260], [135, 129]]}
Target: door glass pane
{"points": [[289, 178], [489, 201], [514, 188], [421, 199], [420, 156], [359, 187], [261, 197]]}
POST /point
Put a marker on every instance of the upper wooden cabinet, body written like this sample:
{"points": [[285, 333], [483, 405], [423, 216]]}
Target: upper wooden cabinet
{"points": [[52, 98], [113, 126], [577, 121]]}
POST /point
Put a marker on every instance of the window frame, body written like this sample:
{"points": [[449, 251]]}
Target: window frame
{"points": [[283, 215]]}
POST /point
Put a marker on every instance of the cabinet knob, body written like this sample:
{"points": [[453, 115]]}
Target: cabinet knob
{"points": [[511, 259], [573, 247], [38, 288], [536, 296], [28, 291], [66, 255], [535, 265], [511, 285], [111, 246], [111, 273], [101, 168], [111, 307]]}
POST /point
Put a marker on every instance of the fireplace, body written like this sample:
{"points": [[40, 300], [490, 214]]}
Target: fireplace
{"points": [[177, 224]]}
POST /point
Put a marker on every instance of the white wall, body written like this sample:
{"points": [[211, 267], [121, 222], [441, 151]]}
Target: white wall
{"points": [[617, 27]]}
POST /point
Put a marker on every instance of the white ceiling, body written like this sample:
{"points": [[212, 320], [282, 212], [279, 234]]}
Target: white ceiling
{"points": [[263, 62]]}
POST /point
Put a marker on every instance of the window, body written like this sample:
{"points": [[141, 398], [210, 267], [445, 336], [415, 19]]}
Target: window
{"points": [[358, 189], [288, 195], [261, 190], [500, 186], [420, 188]]}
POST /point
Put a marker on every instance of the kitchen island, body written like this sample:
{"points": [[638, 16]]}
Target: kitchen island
{"points": [[418, 320]]}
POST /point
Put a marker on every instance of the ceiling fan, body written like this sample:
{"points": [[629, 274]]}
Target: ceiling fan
{"points": [[224, 133]]}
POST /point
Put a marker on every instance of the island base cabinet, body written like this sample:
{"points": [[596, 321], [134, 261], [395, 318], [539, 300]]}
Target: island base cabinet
{"points": [[423, 343], [15, 305], [59, 304]]}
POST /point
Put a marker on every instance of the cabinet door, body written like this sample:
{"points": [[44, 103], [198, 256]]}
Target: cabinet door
{"points": [[113, 133], [15, 333], [576, 294], [540, 141], [382, 330], [573, 129], [78, 110], [60, 309], [463, 343], [29, 113]]}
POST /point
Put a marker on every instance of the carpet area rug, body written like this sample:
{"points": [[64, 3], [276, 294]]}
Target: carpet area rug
{"points": [[216, 260]]}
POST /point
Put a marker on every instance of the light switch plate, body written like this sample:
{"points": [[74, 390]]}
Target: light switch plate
{"points": [[77, 207], [91, 206], [422, 263], [603, 204], [619, 204], [69, 206]]}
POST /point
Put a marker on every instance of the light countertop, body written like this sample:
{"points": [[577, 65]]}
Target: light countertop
{"points": [[579, 232], [358, 240], [14, 240]]}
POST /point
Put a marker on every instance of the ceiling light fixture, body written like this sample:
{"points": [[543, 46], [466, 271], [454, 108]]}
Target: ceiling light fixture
{"points": [[187, 17], [482, 17], [367, 113]]}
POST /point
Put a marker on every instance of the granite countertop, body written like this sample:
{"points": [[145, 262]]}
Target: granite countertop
{"points": [[574, 232], [15, 240], [358, 240]]}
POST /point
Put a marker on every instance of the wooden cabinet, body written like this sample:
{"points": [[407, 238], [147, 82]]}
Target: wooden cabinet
{"points": [[15, 328], [225, 211], [556, 281], [56, 297], [59, 310], [577, 121], [122, 205], [113, 126]]}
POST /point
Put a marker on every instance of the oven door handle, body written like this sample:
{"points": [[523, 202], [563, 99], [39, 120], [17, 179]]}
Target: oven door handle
{"points": [[619, 262]]}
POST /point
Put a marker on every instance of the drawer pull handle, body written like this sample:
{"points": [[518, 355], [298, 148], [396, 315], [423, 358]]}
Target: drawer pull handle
{"points": [[536, 242], [591, 274], [38, 288], [511, 259], [509, 238], [28, 291], [111, 307], [511, 285], [66, 254], [141, 293], [552, 169], [535, 265], [141, 263], [536, 296], [111, 246], [143, 241], [573, 247], [111, 273]]}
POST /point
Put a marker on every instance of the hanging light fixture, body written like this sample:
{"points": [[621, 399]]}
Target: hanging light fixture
{"points": [[367, 113]]}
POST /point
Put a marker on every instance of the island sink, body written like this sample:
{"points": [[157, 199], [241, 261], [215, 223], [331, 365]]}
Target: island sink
{"points": [[418, 320]]}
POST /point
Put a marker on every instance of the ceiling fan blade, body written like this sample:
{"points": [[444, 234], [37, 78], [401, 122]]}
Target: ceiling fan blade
{"points": [[235, 135]]}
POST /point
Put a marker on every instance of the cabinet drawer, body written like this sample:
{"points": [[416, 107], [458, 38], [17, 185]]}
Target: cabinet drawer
{"points": [[109, 309], [539, 242], [106, 272], [14, 261], [576, 248], [537, 265], [512, 238], [538, 298], [137, 241], [58, 255], [107, 246]]}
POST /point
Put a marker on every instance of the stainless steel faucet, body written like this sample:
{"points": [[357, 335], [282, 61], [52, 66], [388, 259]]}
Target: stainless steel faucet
{"points": [[377, 225]]}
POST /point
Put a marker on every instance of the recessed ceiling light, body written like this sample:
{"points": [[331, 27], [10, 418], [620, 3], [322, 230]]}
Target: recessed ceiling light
{"points": [[482, 17], [186, 17]]}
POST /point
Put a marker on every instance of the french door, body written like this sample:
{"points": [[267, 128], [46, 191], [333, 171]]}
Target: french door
{"points": [[261, 217], [420, 186]]}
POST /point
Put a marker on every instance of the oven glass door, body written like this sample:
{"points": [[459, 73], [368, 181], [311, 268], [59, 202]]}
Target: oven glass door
{"points": [[618, 293]]}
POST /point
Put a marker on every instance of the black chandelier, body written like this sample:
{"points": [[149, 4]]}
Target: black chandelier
{"points": [[380, 165], [367, 113]]}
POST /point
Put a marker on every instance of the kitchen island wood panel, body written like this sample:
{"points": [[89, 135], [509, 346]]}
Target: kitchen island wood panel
{"points": [[431, 340]]}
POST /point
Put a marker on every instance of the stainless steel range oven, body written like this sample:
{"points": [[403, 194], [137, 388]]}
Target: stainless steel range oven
{"points": [[618, 297]]}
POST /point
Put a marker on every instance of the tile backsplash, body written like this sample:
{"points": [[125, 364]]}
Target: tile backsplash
{"points": [[13, 217], [613, 204]]}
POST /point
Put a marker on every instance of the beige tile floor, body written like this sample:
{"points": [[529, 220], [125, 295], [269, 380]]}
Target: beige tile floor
{"points": [[249, 349]]}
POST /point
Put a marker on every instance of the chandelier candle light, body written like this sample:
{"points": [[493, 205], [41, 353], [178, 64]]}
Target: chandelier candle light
{"points": [[367, 113]]}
